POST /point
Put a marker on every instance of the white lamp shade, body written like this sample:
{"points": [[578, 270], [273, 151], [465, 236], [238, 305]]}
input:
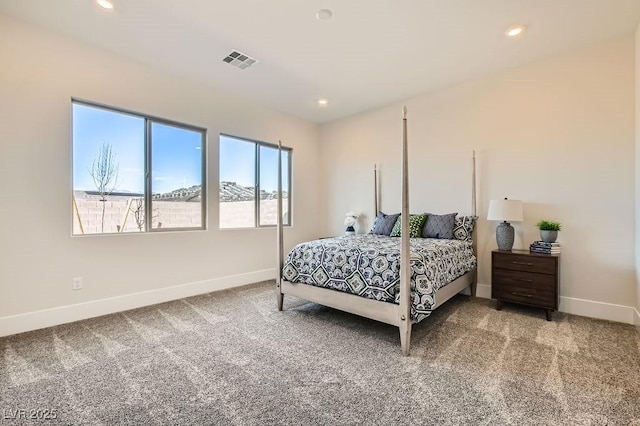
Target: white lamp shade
{"points": [[505, 210]]}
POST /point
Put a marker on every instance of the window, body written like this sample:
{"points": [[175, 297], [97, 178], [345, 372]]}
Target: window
{"points": [[249, 183], [135, 173]]}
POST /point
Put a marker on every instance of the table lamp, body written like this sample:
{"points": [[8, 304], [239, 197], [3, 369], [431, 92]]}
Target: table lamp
{"points": [[505, 211]]}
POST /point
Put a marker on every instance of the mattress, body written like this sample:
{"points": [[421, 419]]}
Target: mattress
{"points": [[369, 266]]}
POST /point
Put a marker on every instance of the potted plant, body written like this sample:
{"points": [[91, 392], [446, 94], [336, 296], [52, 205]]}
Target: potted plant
{"points": [[549, 230]]}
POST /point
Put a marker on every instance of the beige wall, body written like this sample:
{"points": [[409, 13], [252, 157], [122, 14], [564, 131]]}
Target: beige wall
{"points": [[40, 73], [557, 134]]}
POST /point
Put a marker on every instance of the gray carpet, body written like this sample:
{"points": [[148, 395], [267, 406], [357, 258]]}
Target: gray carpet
{"points": [[231, 358]]}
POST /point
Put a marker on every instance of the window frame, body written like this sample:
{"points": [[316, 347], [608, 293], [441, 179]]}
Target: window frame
{"points": [[256, 185], [149, 120]]}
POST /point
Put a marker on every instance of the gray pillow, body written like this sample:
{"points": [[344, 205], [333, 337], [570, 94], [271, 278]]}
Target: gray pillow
{"points": [[439, 226], [384, 224]]}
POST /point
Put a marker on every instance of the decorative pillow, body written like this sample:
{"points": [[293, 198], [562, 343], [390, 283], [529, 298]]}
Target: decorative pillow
{"points": [[416, 223], [384, 223], [439, 226], [464, 227]]}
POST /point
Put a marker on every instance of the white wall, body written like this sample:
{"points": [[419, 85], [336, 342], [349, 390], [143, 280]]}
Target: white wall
{"points": [[557, 134], [40, 73]]}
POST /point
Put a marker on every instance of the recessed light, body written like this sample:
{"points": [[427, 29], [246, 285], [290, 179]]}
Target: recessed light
{"points": [[514, 31], [105, 4], [324, 14], [323, 102]]}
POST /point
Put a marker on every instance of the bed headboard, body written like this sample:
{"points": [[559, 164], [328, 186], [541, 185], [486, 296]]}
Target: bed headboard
{"points": [[376, 196]]}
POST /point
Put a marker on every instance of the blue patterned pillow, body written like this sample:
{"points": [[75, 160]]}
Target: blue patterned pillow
{"points": [[464, 227], [384, 224], [439, 226], [416, 223]]}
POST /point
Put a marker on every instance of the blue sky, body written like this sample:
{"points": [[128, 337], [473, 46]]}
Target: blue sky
{"points": [[239, 161], [237, 164], [176, 154], [176, 158]]}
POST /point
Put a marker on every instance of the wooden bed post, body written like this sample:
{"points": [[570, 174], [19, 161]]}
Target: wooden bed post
{"points": [[473, 182], [474, 239], [404, 322], [279, 264], [375, 193]]}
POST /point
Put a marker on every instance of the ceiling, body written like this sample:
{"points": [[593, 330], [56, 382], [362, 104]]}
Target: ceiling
{"points": [[371, 53]]}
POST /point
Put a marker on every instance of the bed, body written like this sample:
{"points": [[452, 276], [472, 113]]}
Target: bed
{"points": [[395, 280]]}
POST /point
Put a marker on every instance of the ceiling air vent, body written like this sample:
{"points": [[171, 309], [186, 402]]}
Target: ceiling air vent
{"points": [[240, 60]]}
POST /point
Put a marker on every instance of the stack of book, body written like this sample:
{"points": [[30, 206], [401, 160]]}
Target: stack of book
{"points": [[545, 248]]}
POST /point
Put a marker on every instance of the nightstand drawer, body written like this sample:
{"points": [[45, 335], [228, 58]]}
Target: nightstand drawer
{"points": [[507, 278], [529, 296], [540, 264]]}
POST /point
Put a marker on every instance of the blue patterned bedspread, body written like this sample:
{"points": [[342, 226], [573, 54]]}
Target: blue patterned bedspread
{"points": [[369, 265]]}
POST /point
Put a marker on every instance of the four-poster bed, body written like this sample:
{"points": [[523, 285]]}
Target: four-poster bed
{"points": [[374, 290]]}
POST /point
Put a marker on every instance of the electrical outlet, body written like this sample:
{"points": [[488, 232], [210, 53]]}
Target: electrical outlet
{"points": [[77, 283]]}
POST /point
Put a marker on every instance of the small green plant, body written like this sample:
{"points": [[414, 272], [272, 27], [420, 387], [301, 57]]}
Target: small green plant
{"points": [[549, 225]]}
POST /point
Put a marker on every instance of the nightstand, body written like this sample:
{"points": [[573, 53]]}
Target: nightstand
{"points": [[519, 276]]}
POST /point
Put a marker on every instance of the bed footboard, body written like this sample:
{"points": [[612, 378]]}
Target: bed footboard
{"points": [[369, 308]]}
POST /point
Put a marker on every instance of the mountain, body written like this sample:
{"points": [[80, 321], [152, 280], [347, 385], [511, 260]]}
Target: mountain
{"points": [[229, 192]]}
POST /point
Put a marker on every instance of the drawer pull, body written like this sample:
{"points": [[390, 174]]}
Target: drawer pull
{"points": [[521, 294], [522, 279], [522, 263]]}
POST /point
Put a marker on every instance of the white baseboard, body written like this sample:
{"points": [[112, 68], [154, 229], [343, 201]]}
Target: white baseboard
{"points": [[589, 308], [636, 318], [483, 291], [585, 308], [64, 314]]}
